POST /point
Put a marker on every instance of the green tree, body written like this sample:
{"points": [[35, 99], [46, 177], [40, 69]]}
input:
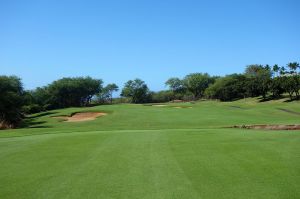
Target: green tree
{"points": [[293, 66], [11, 101], [41, 96], [106, 93], [67, 92], [231, 87], [175, 84], [259, 79], [163, 96], [196, 83], [276, 86], [276, 69], [110, 88], [136, 90]]}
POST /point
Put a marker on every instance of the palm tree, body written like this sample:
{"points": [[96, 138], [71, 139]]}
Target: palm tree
{"points": [[276, 69], [282, 70], [293, 66]]}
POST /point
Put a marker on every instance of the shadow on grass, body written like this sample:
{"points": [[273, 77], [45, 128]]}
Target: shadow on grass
{"points": [[269, 98], [42, 114], [291, 100], [31, 123]]}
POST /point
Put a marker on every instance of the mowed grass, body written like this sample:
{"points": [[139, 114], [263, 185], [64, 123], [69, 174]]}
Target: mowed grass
{"points": [[139, 151]]}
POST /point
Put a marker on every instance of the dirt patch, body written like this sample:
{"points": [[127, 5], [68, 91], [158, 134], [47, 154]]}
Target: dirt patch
{"points": [[80, 117], [4, 125], [269, 127], [182, 107], [288, 111], [177, 101]]}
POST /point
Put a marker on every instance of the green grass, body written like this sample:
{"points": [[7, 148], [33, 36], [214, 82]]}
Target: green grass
{"points": [[139, 151]]}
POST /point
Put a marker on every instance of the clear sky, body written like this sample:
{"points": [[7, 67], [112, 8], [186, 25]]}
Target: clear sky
{"points": [[41, 41]]}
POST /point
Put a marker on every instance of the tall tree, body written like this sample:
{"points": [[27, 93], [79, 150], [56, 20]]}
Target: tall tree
{"points": [[259, 79], [110, 88], [11, 101], [137, 90], [67, 92], [175, 84], [276, 69], [293, 66], [196, 83], [230, 87]]}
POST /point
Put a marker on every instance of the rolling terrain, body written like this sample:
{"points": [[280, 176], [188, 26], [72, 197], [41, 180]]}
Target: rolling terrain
{"points": [[184, 150]]}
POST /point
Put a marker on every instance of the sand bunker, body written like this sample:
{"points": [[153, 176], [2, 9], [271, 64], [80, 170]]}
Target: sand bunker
{"points": [[80, 117], [182, 107], [177, 101], [269, 127], [159, 105]]}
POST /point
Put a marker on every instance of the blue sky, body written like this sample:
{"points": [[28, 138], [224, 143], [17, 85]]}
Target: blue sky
{"points": [[41, 41]]}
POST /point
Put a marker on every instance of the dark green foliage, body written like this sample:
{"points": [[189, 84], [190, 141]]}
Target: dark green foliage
{"points": [[291, 84], [196, 83], [42, 96], [37, 100], [32, 108], [11, 101], [106, 94], [176, 85], [228, 88], [68, 92], [163, 96], [293, 66], [259, 78], [137, 91], [276, 86]]}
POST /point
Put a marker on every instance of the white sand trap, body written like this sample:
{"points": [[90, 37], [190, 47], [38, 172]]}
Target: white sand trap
{"points": [[159, 105], [81, 117], [177, 107]]}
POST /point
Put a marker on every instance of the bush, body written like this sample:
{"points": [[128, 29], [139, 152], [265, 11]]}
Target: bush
{"points": [[227, 88], [32, 108]]}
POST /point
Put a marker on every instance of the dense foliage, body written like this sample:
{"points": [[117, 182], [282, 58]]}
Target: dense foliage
{"points": [[137, 90], [106, 95], [65, 92], [68, 92], [11, 101], [228, 88]]}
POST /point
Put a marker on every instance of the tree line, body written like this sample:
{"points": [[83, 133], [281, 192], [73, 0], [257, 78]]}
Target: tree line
{"points": [[267, 81]]}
